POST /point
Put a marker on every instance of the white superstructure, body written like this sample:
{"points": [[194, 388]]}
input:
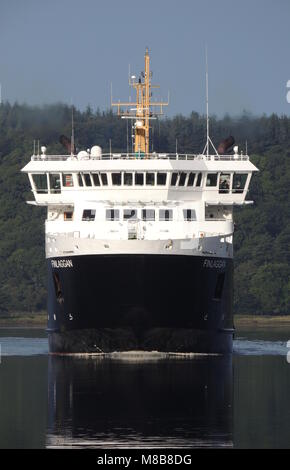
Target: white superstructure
{"points": [[96, 200]]}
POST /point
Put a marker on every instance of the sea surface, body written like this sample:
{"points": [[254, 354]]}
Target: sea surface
{"points": [[143, 400]]}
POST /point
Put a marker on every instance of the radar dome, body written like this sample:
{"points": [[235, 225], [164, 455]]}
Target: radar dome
{"points": [[96, 151], [83, 155]]}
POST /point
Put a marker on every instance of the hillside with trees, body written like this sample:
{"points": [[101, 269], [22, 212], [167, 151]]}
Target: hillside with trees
{"points": [[262, 238]]}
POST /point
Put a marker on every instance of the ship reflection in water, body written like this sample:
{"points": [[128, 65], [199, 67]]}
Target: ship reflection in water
{"points": [[139, 400]]}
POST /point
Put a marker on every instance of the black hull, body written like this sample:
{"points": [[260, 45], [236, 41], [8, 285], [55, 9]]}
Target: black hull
{"points": [[105, 303]]}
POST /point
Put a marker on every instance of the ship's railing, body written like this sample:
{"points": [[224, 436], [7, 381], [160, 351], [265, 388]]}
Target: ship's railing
{"points": [[136, 156]]}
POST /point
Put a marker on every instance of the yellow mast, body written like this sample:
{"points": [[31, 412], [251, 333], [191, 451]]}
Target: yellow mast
{"points": [[141, 110]]}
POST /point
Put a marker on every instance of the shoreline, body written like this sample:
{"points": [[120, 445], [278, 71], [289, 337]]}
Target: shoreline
{"points": [[39, 320], [31, 320], [261, 321]]}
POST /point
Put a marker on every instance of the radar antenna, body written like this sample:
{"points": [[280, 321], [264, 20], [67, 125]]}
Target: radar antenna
{"points": [[141, 110]]}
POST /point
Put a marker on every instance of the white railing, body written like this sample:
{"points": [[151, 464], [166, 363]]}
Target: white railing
{"points": [[136, 156]]}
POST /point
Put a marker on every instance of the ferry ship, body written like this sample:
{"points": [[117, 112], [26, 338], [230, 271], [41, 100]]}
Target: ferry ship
{"points": [[139, 245]]}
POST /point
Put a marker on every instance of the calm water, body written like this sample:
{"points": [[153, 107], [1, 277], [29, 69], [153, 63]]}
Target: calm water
{"points": [[143, 400]]}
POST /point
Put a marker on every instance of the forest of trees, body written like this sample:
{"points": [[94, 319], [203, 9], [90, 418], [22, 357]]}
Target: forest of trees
{"points": [[262, 238]]}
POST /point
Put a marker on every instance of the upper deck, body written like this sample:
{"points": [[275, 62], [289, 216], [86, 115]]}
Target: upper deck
{"points": [[118, 177]]}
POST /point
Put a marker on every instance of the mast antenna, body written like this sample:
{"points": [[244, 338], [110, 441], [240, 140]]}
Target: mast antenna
{"points": [[72, 148], [207, 118], [208, 139]]}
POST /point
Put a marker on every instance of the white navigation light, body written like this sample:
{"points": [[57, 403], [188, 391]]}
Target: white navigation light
{"points": [[139, 123], [236, 149], [43, 149]]}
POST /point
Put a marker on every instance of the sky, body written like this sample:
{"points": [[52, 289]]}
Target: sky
{"points": [[71, 50]]}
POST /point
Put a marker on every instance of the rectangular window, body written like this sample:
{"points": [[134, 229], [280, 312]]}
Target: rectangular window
{"points": [[104, 179], [224, 184], [54, 182], [96, 179], [150, 179], [87, 178], [148, 214], [219, 212], [165, 215], [190, 181], [80, 180], [211, 179], [189, 214], [130, 214], [182, 178], [128, 179], [199, 179], [139, 179], [239, 182], [67, 180], [116, 179], [68, 215], [161, 179], [40, 183], [112, 214], [89, 215]]}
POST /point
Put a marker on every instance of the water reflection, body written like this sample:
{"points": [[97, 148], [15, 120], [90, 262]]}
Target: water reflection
{"points": [[121, 402]]}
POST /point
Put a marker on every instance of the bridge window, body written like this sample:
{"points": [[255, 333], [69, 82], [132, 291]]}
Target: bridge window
{"points": [[130, 214], [89, 215], [128, 179], [150, 179], [40, 183], [174, 179], [165, 215], [199, 179], [81, 183], [211, 179], [190, 181], [148, 214], [96, 179], [54, 182], [225, 181], [67, 180], [104, 179], [239, 182], [139, 179], [87, 179], [161, 179], [182, 178], [189, 214], [112, 214], [116, 179]]}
